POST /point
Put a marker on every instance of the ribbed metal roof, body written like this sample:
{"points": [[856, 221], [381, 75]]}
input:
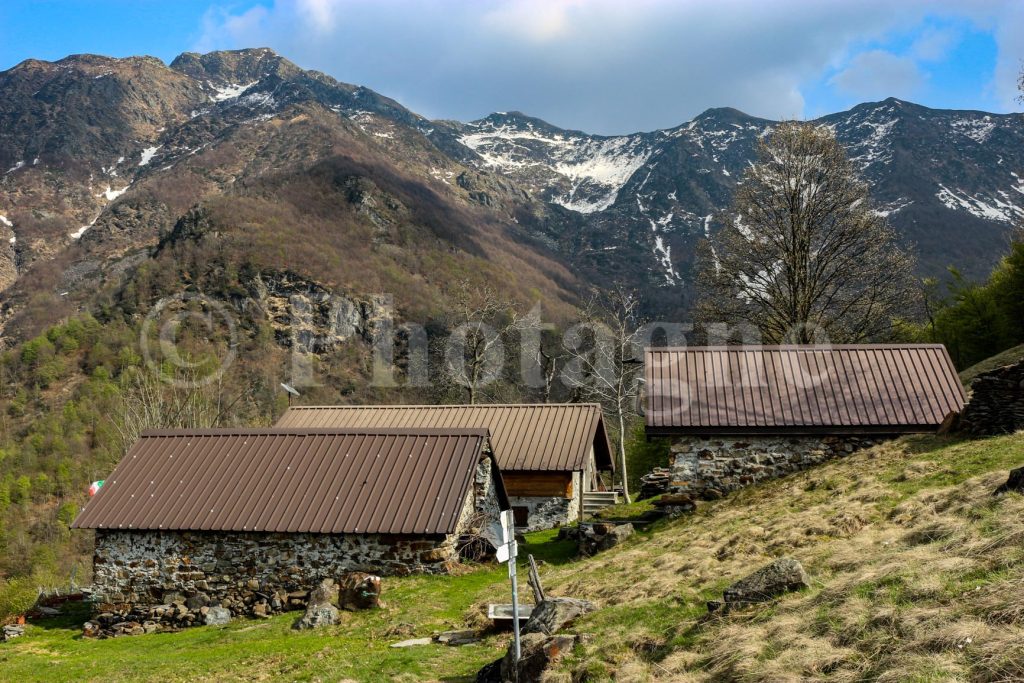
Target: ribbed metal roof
{"points": [[389, 481], [526, 437], [791, 389]]}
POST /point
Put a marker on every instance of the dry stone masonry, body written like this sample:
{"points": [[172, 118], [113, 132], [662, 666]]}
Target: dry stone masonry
{"points": [[709, 467], [997, 402]]}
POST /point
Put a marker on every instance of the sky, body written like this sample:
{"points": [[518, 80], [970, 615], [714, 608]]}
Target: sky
{"points": [[600, 66]]}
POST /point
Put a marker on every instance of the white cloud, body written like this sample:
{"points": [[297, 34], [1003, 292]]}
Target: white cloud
{"points": [[934, 44], [877, 74], [600, 65]]}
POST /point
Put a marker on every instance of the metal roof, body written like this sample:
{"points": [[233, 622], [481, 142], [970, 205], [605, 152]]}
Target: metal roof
{"points": [[864, 388], [526, 437], [389, 481]]}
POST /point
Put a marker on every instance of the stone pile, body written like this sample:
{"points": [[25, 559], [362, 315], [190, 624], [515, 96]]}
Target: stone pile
{"points": [[675, 504], [655, 483], [594, 538], [997, 402], [12, 631]]}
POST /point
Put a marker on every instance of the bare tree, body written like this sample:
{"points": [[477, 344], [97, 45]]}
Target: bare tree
{"points": [[148, 401], [482, 325], [801, 250], [603, 363]]}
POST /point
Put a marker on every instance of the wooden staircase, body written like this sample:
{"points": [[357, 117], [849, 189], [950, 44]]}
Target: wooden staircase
{"points": [[598, 500]]}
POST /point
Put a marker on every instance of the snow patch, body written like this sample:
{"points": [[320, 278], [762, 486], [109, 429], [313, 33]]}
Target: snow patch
{"points": [[989, 208], [14, 168], [229, 91], [111, 194], [976, 129], [5, 221], [148, 154]]}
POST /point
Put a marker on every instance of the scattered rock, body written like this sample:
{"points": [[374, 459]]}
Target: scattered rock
{"points": [[781, 576], [357, 591], [217, 616], [552, 615], [91, 629], [465, 637], [413, 642], [46, 611], [1014, 483]]}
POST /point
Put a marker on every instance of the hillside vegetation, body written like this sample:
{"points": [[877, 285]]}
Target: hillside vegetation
{"points": [[916, 575]]}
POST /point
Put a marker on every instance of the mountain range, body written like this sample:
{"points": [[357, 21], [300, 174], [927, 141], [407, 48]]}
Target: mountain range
{"points": [[242, 163]]}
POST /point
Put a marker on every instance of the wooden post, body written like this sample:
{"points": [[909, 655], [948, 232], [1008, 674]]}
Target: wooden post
{"points": [[534, 579]]}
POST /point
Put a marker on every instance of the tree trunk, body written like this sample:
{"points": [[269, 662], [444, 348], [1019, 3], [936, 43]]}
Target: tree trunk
{"points": [[622, 457]]}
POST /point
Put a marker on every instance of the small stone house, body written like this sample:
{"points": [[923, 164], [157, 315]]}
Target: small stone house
{"points": [[255, 517], [550, 455], [739, 414]]}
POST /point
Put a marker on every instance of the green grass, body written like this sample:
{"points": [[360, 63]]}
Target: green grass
{"points": [[358, 649], [907, 550]]}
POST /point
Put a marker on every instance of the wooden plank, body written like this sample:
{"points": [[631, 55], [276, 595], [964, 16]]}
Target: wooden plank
{"points": [[547, 484], [534, 578]]}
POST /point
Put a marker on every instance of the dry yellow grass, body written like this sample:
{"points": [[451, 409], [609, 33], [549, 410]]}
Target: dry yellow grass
{"points": [[916, 571]]}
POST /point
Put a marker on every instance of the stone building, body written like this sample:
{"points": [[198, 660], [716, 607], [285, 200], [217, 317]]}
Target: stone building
{"points": [[252, 519], [551, 455], [740, 414]]}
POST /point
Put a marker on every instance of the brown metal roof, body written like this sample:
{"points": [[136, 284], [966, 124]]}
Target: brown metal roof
{"points": [[806, 389], [526, 437], [388, 481]]}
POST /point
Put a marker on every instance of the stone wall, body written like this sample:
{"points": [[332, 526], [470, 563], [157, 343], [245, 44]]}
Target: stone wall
{"points": [[997, 402], [709, 467], [166, 578], [548, 512]]}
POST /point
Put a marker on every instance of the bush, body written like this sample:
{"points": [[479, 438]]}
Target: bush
{"points": [[17, 596]]}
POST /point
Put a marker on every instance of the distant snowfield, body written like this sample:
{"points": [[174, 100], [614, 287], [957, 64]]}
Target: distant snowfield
{"points": [[229, 91], [597, 168]]}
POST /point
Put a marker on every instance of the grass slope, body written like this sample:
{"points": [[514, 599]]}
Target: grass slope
{"points": [[997, 361], [916, 574]]}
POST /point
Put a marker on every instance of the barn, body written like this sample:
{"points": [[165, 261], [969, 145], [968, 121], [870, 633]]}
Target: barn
{"points": [[738, 414], [553, 457], [245, 518]]}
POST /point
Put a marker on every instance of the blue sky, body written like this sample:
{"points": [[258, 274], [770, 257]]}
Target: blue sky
{"points": [[597, 65]]}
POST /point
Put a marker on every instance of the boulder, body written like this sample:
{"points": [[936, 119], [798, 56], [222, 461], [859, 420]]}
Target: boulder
{"points": [[319, 611], [217, 616], [781, 576], [318, 615], [357, 590], [1014, 483], [552, 615], [538, 653]]}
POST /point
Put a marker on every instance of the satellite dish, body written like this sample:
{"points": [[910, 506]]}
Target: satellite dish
{"points": [[291, 390]]}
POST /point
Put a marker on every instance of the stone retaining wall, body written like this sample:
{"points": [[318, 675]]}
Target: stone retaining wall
{"points": [[708, 467]]}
